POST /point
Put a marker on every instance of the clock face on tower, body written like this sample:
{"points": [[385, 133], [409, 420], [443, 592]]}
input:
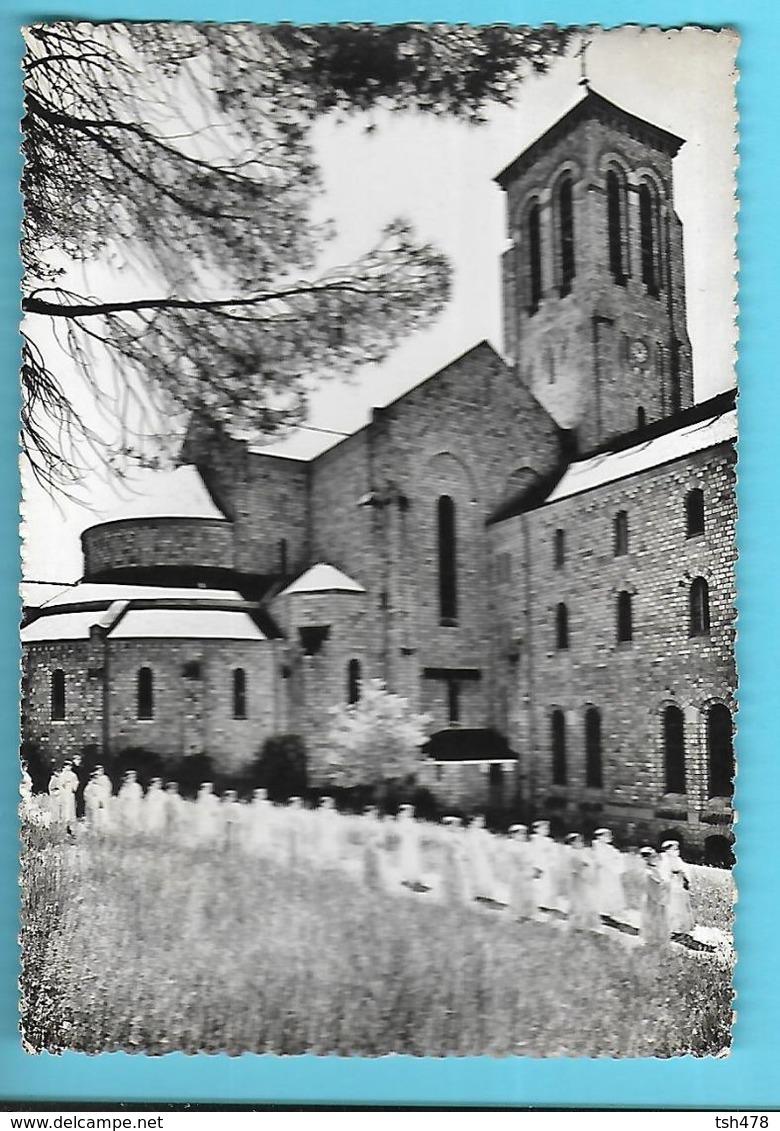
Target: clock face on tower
{"points": [[638, 353]]}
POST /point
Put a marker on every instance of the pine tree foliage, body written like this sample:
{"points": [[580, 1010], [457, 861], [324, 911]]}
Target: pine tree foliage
{"points": [[179, 158]]}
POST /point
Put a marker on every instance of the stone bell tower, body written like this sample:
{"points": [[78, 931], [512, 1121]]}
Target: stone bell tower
{"points": [[594, 290]]}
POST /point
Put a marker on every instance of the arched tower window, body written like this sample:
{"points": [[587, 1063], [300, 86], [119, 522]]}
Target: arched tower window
{"points": [[699, 608], [558, 744], [58, 694], [534, 259], [674, 751], [625, 619], [448, 593], [694, 513], [565, 220], [353, 681], [594, 777], [641, 419], [239, 694], [561, 627], [145, 694], [616, 234], [648, 238], [720, 752]]}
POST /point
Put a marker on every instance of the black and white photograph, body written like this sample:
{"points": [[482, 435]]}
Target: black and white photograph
{"points": [[379, 463]]}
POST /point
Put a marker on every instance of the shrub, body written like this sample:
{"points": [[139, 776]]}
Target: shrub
{"points": [[281, 767], [39, 769], [189, 773]]}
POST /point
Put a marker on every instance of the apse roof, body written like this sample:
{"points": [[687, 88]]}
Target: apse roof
{"points": [[94, 592], [200, 624], [59, 626], [34, 594], [322, 578]]}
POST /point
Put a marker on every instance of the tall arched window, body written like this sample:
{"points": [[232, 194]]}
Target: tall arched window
{"points": [[648, 239], [561, 627], [699, 601], [145, 694], [448, 593], [620, 530], [239, 694], [58, 694], [615, 228], [720, 752], [625, 620], [594, 777], [558, 745], [534, 259], [674, 751], [353, 681], [565, 218], [694, 513], [641, 418]]}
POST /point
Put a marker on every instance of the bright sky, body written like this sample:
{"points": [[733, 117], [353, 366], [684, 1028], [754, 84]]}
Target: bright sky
{"points": [[439, 175]]}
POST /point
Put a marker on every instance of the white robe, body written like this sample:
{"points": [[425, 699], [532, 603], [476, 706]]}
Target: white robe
{"points": [[97, 802], [610, 896], [409, 862], [155, 808], [129, 801]]}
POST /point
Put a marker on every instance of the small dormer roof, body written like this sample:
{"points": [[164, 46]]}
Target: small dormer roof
{"points": [[323, 578]]}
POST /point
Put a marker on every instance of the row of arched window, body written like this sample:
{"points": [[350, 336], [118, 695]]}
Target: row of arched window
{"points": [[144, 694], [618, 237], [720, 750], [694, 526], [698, 615]]}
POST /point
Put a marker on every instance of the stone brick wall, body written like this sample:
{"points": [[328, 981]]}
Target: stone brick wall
{"points": [[149, 543], [467, 787], [265, 496], [630, 683], [82, 663], [194, 715], [190, 715], [315, 683], [422, 446]]}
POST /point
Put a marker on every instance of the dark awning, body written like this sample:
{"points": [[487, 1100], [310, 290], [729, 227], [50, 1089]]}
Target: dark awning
{"points": [[468, 744]]}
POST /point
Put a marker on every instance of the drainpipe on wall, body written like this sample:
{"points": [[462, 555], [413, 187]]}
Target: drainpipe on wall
{"points": [[530, 698], [106, 743], [596, 321]]}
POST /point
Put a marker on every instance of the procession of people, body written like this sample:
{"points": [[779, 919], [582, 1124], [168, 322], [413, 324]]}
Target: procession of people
{"points": [[641, 897]]}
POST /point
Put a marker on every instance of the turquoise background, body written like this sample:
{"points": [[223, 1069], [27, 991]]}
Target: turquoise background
{"points": [[750, 1077]]}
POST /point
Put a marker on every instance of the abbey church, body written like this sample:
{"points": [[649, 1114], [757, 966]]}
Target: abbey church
{"points": [[536, 548]]}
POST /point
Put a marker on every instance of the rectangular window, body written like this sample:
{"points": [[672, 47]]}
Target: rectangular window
{"points": [[625, 624], [621, 533], [559, 549], [58, 695]]}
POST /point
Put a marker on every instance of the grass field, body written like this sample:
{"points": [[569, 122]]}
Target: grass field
{"points": [[128, 947]]}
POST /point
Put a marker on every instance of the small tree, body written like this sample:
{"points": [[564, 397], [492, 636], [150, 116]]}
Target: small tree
{"points": [[375, 743]]}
